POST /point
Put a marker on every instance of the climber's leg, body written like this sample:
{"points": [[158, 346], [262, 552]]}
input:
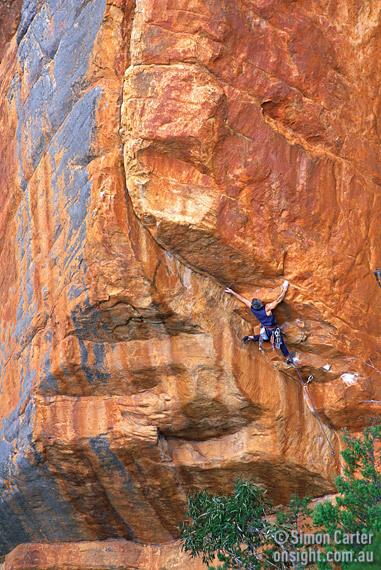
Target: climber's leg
{"points": [[278, 340], [253, 338], [283, 347], [291, 356], [286, 353]]}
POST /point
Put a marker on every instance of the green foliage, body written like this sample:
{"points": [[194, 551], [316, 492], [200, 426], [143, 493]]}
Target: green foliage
{"points": [[236, 530], [218, 526], [242, 530], [358, 506]]}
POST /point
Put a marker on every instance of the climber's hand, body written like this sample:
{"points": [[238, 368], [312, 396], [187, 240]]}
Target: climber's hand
{"points": [[229, 291], [285, 285]]}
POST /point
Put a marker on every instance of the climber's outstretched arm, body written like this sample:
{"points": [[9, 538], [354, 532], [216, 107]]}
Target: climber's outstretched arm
{"points": [[238, 296], [271, 306]]}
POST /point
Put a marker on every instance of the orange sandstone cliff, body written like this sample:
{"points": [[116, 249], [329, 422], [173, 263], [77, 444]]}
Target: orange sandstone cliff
{"points": [[153, 153]]}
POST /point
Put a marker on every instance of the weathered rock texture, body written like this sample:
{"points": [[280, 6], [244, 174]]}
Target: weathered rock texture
{"points": [[153, 152], [108, 555]]}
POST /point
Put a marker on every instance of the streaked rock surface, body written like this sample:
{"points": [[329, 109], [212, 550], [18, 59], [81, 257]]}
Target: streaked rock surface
{"points": [[107, 555]]}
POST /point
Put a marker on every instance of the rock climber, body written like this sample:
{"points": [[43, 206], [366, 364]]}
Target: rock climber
{"points": [[270, 330]]}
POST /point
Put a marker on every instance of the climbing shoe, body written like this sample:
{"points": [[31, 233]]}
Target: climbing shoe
{"points": [[247, 339]]}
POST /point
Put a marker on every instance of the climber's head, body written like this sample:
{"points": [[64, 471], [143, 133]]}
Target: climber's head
{"points": [[257, 304]]}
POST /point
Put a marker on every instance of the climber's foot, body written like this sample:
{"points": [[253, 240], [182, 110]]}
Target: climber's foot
{"points": [[291, 360], [247, 339]]}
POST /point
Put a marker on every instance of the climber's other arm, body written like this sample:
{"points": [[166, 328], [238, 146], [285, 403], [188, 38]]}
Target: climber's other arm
{"points": [[271, 306]]}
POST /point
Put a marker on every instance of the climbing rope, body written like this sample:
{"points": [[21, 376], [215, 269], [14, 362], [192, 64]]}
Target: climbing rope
{"points": [[311, 406]]}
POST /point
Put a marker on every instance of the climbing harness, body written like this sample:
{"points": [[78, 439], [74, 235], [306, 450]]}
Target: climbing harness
{"points": [[277, 338], [311, 406]]}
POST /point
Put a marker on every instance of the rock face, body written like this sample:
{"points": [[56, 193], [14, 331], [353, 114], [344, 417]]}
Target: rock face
{"points": [[152, 153], [107, 555]]}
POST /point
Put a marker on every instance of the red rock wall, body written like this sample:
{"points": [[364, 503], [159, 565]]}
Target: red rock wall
{"points": [[151, 154], [10, 11], [245, 127]]}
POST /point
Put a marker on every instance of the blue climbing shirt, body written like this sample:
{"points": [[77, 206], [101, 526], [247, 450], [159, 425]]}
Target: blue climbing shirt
{"points": [[265, 320]]}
